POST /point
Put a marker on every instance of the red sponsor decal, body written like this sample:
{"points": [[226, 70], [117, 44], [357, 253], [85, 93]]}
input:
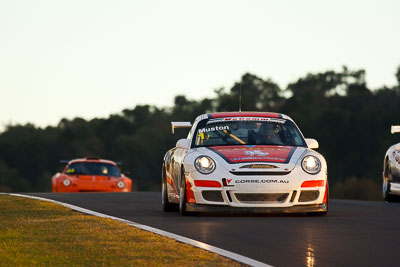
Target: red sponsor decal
{"points": [[313, 183], [206, 183], [228, 180], [326, 193], [189, 192], [261, 153]]}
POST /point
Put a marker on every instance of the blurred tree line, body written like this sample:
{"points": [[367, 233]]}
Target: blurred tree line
{"points": [[350, 121]]}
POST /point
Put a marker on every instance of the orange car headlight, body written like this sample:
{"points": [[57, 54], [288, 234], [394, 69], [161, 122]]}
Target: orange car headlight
{"points": [[66, 182], [121, 184]]}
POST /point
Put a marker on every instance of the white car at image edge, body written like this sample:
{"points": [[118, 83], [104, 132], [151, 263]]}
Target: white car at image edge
{"points": [[391, 170]]}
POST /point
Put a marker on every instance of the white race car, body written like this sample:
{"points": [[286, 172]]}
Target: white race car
{"points": [[244, 162], [391, 170]]}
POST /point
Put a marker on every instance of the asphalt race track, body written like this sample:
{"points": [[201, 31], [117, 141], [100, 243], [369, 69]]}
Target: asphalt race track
{"points": [[355, 233]]}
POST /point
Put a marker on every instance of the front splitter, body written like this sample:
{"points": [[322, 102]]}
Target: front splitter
{"points": [[317, 208]]}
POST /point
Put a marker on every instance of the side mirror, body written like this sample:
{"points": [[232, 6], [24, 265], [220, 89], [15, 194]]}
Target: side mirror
{"points": [[183, 143], [312, 143]]}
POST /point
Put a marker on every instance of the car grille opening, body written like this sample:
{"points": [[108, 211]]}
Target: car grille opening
{"points": [[259, 173], [214, 196], [309, 195], [259, 198], [293, 196]]}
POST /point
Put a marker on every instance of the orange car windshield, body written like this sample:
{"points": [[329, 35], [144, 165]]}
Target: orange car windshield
{"points": [[92, 168]]}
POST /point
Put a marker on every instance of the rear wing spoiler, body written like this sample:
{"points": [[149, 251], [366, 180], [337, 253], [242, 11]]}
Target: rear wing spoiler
{"points": [[180, 124], [395, 129]]}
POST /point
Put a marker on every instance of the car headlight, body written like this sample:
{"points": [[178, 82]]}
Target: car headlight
{"points": [[121, 184], [204, 164], [311, 164], [67, 182]]}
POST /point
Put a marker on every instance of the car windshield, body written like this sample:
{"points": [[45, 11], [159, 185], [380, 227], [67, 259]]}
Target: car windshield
{"points": [[92, 168], [247, 131]]}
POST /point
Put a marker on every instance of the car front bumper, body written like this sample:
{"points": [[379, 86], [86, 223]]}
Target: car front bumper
{"points": [[230, 209]]}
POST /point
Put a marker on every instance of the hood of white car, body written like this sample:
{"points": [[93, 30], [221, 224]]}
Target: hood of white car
{"points": [[247, 158]]}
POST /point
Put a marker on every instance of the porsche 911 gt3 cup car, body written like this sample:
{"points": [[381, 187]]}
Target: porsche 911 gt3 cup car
{"points": [[391, 169], [245, 162], [90, 175]]}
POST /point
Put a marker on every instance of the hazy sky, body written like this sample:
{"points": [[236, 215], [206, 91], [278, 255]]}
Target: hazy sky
{"points": [[93, 58]]}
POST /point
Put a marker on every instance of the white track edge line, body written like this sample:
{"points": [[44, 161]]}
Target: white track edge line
{"points": [[195, 243]]}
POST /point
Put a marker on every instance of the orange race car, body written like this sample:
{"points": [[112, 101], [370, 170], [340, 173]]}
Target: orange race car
{"points": [[90, 175]]}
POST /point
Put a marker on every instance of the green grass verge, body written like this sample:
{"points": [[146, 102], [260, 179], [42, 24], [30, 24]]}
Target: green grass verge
{"points": [[39, 233]]}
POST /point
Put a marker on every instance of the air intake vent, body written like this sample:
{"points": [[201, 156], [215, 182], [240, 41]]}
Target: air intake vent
{"points": [[214, 196], [260, 198], [309, 195], [247, 173]]}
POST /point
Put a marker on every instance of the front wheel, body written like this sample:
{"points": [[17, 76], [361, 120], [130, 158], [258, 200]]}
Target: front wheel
{"points": [[182, 196], [183, 199], [166, 205], [386, 189], [387, 177]]}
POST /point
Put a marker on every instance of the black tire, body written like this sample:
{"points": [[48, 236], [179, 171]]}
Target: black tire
{"points": [[386, 188], [387, 177], [182, 196], [166, 205]]}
